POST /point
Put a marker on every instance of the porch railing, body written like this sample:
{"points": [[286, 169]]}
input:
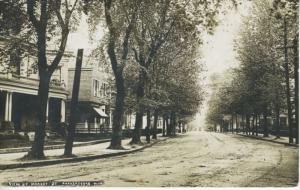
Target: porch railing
{"points": [[91, 129], [11, 76]]}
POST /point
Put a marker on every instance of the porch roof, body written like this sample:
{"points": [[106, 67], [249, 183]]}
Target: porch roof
{"points": [[100, 112]]}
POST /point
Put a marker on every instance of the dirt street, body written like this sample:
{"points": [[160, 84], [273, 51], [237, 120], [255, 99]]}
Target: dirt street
{"points": [[194, 159]]}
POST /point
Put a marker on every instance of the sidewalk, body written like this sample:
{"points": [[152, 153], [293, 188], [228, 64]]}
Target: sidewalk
{"points": [[271, 138], [49, 147], [96, 151]]}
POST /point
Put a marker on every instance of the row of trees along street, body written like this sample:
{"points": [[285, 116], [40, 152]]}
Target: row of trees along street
{"points": [[150, 46], [265, 85], [154, 59]]}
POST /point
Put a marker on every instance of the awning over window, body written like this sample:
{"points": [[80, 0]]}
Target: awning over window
{"points": [[100, 112]]}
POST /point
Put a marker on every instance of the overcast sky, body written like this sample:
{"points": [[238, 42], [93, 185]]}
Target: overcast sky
{"points": [[80, 38]]}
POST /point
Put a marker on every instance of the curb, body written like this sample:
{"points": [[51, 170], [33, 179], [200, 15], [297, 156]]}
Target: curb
{"points": [[278, 142], [76, 159], [50, 147]]}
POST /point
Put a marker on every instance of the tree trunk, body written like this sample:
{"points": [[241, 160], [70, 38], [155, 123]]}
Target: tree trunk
{"points": [[222, 126], [232, 123], [277, 122], [174, 124], [247, 125], [256, 125], [149, 123], [37, 149], [287, 82], [149, 118], [253, 125], [116, 138], [296, 76], [243, 124], [236, 123], [171, 124], [164, 126], [154, 134], [140, 111], [266, 131], [73, 107], [118, 114], [136, 136]]}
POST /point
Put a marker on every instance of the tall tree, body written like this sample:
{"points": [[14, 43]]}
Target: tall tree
{"points": [[287, 13], [40, 14], [16, 32], [120, 19]]}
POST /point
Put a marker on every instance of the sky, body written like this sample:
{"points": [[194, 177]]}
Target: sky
{"points": [[218, 53], [81, 38]]}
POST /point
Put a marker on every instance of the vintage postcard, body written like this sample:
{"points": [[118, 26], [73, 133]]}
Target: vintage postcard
{"points": [[138, 93]]}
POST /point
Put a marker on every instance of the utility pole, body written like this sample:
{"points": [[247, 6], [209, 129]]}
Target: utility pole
{"points": [[73, 107]]}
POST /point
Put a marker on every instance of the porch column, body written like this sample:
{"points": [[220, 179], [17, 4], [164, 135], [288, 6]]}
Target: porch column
{"points": [[47, 111], [86, 124], [110, 118], [8, 107], [63, 111]]}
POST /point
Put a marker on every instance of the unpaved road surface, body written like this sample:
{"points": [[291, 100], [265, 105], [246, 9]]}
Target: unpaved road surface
{"points": [[194, 159]]}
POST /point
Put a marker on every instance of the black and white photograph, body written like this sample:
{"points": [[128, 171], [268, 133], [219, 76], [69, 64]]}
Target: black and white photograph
{"points": [[149, 93]]}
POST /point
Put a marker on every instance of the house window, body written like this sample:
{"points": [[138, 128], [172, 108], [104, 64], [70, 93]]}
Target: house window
{"points": [[96, 88], [95, 84], [100, 89], [103, 90], [2, 68]]}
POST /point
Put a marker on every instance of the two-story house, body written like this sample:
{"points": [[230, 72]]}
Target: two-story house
{"points": [[19, 87], [93, 100]]}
